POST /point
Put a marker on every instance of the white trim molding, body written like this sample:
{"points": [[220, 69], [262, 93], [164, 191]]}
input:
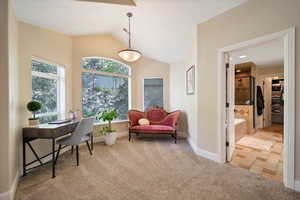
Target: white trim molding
{"points": [[10, 194], [288, 37], [61, 90], [94, 72], [203, 153]]}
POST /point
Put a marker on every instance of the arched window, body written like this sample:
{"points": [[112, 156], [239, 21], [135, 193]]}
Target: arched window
{"points": [[105, 86]]}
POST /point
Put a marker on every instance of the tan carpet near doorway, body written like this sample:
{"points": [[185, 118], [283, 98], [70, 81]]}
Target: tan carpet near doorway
{"points": [[147, 169]]}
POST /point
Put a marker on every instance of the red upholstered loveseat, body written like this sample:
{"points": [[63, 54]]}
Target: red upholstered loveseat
{"points": [[161, 122]]}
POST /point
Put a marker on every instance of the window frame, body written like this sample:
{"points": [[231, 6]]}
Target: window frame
{"points": [[143, 90], [61, 86], [83, 70]]}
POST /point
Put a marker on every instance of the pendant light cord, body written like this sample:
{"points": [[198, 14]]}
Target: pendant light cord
{"points": [[129, 28]]}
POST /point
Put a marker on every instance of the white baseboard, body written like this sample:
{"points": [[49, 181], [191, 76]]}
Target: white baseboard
{"points": [[203, 153], [10, 194], [297, 185]]}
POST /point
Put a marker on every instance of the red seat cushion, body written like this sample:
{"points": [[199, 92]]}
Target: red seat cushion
{"points": [[153, 129]]}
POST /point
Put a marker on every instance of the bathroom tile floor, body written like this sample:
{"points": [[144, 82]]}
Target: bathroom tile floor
{"points": [[267, 163]]}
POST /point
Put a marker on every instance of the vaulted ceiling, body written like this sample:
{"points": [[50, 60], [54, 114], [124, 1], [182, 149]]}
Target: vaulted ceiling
{"points": [[162, 29]]}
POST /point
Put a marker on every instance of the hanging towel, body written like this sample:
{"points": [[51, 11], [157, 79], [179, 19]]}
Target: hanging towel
{"points": [[260, 103]]}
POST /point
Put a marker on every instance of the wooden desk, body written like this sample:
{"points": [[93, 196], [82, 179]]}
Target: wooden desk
{"points": [[46, 131]]}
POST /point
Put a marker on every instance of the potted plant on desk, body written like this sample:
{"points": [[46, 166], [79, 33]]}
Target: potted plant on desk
{"points": [[110, 135], [34, 106]]}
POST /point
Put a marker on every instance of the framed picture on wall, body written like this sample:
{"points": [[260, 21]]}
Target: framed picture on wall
{"points": [[190, 80]]}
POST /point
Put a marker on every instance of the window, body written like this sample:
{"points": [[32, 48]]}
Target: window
{"points": [[153, 92], [48, 88], [105, 86]]}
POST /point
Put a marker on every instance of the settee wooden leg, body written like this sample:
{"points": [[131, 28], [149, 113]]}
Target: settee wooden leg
{"points": [[72, 149], [129, 137], [175, 137]]}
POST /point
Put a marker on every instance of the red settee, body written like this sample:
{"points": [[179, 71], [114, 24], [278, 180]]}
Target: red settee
{"points": [[161, 122]]}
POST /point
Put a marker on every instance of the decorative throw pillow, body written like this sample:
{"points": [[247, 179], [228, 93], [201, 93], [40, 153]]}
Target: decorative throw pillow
{"points": [[144, 121]]}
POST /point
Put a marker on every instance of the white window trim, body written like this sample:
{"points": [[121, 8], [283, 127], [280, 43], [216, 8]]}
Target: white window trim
{"points": [[143, 90], [60, 77], [107, 73], [111, 75]]}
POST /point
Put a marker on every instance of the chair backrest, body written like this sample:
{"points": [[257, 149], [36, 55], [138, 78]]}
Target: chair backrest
{"points": [[84, 128]]}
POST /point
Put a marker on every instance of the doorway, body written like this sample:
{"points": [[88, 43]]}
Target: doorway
{"points": [[258, 109], [227, 99]]}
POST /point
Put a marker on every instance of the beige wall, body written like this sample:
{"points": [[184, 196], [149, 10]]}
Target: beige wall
{"points": [[106, 45], [50, 46], [149, 68], [248, 21], [14, 125], [8, 101], [4, 100], [179, 100]]}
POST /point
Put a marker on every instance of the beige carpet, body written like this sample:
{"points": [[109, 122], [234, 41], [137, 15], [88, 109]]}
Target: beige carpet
{"points": [[147, 169], [255, 143]]}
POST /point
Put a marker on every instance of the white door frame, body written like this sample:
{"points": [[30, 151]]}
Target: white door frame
{"points": [[288, 37]]}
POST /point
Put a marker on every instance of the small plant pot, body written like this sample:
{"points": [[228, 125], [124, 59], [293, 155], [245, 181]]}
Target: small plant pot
{"points": [[33, 122], [110, 138]]}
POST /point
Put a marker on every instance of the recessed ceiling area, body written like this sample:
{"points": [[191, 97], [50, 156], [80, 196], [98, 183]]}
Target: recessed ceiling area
{"points": [[270, 54], [162, 29]]}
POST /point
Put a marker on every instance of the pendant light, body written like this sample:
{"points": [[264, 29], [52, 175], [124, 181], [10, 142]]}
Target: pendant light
{"points": [[129, 55]]}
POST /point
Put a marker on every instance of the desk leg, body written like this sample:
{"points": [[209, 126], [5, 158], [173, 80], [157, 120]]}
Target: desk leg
{"points": [[53, 157], [24, 157]]}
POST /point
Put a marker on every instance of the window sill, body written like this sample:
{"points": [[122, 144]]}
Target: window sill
{"points": [[113, 122]]}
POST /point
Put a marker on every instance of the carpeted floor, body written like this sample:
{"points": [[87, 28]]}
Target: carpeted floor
{"points": [[147, 169]]}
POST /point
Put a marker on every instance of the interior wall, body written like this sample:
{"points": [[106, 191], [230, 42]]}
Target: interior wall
{"points": [[8, 101], [105, 45], [50, 46], [14, 125], [4, 100], [268, 16], [179, 100]]}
